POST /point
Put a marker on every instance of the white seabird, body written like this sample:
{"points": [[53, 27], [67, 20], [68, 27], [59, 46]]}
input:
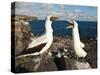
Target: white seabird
{"points": [[77, 44], [42, 43]]}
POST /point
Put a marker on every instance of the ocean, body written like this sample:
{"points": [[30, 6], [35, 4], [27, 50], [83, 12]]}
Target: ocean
{"points": [[86, 29]]}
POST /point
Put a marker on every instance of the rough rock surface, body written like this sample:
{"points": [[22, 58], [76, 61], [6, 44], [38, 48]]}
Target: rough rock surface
{"points": [[22, 32]]}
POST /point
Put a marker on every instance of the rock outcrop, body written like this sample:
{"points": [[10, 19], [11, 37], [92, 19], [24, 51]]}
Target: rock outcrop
{"points": [[22, 32]]}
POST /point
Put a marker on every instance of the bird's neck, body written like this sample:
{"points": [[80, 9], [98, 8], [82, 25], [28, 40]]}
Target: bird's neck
{"points": [[48, 27], [75, 34]]}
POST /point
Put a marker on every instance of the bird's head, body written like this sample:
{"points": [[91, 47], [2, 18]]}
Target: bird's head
{"points": [[52, 17], [72, 25]]}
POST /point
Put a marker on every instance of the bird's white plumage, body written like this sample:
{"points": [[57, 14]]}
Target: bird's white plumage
{"points": [[46, 38], [77, 44], [38, 41], [82, 44]]}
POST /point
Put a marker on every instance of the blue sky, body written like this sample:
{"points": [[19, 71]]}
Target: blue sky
{"points": [[41, 10]]}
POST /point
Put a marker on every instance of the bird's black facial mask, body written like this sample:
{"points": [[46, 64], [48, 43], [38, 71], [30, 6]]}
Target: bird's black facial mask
{"points": [[53, 18], [71, 25]]}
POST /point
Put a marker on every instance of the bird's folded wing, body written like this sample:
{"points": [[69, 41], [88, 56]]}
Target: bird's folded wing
{"points": [[82, 44], [38, 41]]}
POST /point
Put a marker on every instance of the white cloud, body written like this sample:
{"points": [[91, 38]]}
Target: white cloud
{"points": [[41, 10]]}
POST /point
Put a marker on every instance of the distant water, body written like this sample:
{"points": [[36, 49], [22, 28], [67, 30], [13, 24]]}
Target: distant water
{"points": [[86, 29]]}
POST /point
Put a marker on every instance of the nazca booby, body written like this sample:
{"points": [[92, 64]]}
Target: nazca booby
{"points": [[42, 43], [77, 44]]}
